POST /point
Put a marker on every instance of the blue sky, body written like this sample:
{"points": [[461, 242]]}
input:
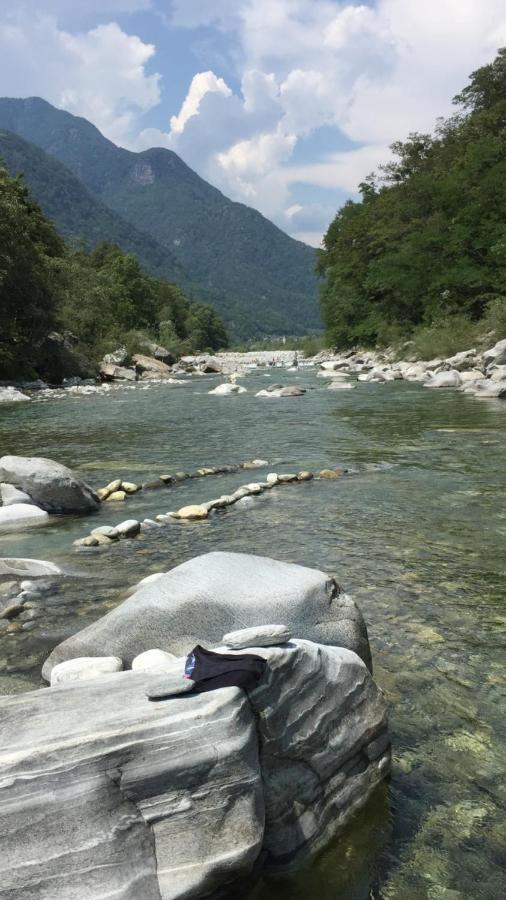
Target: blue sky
{"points": [[285, 105]]}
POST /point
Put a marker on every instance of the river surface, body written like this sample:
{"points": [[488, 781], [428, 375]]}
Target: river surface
{"points": [[416, 533]]}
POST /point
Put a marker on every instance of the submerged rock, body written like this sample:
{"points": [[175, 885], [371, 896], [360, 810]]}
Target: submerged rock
{"points": [[208, 596], [223, 390], [31, 567], [50, 485]]}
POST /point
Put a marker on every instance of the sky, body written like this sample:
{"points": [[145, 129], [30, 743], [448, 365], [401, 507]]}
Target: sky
{"points": [[286, 105]]}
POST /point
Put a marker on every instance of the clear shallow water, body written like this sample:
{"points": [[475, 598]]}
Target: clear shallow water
{"points": [[416, 534]]}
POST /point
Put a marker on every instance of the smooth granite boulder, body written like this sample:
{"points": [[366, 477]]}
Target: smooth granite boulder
{"points": [[106, 793], [50, 485], [208, 596]]}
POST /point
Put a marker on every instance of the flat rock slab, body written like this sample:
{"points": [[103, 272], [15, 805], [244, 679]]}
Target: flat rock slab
{"points": [[106, 794], [206, 597]]}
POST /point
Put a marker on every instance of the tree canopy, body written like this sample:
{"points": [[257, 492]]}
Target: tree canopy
{"points": [[101, 298], [427, 240]]}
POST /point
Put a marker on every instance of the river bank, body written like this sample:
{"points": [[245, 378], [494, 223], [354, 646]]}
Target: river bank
{"points": [[415, 535]]}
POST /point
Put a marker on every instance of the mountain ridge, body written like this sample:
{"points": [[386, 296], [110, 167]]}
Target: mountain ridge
{"points": [[261, 279]]}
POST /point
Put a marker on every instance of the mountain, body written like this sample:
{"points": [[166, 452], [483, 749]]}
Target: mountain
{"points": [[77, 213], [257, 276]]}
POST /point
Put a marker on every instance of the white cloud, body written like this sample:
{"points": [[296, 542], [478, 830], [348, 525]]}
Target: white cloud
{"points": [[99, 74], [203, 83], [375, 73]]}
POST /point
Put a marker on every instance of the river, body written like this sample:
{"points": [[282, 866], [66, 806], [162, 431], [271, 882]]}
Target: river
{"points": [[415, 532]]}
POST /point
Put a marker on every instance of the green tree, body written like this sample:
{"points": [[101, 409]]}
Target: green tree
{"points": [[427, 240]]}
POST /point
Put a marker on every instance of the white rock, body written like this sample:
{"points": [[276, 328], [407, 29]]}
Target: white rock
{"points": [[84, 668], [488, 388], [449, 379], [223, 390], [272, 478], [107, 530], [258, 636], [128, 528], [496, 373], [466, 359], [496, 355], [20, 514], [11, 395], [10, 494], [154, 661], [340, 386]]}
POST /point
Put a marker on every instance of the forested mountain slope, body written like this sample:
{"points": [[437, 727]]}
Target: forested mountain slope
{"points": [[259, 277], [76, 212], [425, 247]]}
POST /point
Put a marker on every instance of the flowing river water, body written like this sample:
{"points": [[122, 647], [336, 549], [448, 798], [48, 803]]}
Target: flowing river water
{"points": [[416, 533]]}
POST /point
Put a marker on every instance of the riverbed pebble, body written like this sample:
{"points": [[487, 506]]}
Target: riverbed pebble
{"points": [[193, 511], [129, 528], [107, 530], [115, 496]]}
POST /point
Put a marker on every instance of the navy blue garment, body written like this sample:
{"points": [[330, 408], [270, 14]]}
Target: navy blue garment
{"points": [[211, 670]]}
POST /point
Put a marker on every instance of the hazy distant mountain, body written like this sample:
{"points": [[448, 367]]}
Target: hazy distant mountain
{"points": [[77, 213], [259, 278]]}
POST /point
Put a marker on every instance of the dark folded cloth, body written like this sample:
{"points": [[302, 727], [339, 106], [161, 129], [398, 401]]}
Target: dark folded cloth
{"points": [[209, 670]]}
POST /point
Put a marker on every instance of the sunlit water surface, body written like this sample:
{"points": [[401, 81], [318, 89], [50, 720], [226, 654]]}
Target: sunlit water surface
{"points": [[416, 532]]}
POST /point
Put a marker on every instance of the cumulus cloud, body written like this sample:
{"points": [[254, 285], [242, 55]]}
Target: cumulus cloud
{"points": [[202, 84], [375, 73], [99, 74]]}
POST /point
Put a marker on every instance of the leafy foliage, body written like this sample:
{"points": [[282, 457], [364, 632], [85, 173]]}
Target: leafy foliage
{"points": [[260, 279], [98, 299], [426, 246]]}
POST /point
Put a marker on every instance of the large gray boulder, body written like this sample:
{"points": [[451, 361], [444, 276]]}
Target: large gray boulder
{"points": [[106, 794], [206, 597], [51, 486]]}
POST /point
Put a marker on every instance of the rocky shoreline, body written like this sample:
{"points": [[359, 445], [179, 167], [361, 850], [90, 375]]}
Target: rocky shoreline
{"points": [[481, 373]]}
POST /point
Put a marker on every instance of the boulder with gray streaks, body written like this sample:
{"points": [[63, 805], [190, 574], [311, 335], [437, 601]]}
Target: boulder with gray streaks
{"points": [[206, 597], [50, 485], [106, 793]]}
